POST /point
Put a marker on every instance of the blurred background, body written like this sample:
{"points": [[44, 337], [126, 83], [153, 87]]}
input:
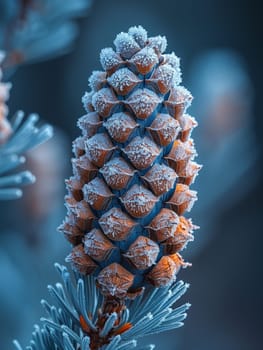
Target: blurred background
{"points": [[220, 45]]}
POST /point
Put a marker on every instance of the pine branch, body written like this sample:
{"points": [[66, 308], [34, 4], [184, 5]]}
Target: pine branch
{"points": [[72, 317], [25, 136], [16, 138], [35, 30]]}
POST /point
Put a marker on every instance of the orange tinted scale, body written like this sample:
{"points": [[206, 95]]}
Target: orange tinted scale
{"points": [[83, 324]]}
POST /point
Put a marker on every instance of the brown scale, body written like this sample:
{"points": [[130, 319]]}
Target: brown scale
{"points": [[104, 101], [158, 43], [112, 64], [97, 80], [123, 81], [142, 252], [117, 173], [82, 212], [164, 129], [182, 199], [116, 224], [180, 154], [87, 101], [179, 262], [71, 232], [78, 146], [74, 185], [164, 272], [115, 280], [163, 78], [142, 102], [97, 245], [180, 238], [188, 174], [139, 34], [172, 60], [97, 194], [187, 124], [160, 178], [164, 225], [80, 261], [141, 152], [179, 99], [145, 60], [99, 148], [89, 123], [126, 46], [138, 201], [77, 221], [84, 168], [120, 126]]}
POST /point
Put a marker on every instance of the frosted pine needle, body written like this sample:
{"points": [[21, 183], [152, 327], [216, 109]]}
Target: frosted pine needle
{"points": [[16, 138]]}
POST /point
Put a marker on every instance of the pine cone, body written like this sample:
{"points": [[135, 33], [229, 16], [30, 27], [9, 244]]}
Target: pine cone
{"points": [[132, 169], [5, 128]]}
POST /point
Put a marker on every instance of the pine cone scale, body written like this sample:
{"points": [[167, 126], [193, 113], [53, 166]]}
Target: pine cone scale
{"points": [[133, 167]]}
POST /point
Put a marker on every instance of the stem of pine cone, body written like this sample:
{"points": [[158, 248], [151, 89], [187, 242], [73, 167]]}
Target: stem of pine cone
{"points": [[109, 306]]}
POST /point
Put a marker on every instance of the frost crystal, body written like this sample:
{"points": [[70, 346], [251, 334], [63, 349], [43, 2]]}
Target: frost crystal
{"points": [[159, 43], [99, 148], [117, 173], [142, 152], [164, 129], [125, 45], [139, 34], [164, 225], [115, 280], [120, 126], [97, 80], [145, 60], [161, 178], [103, 101], [165, 77], [96, 245], [143, 252], [143, 102], [174, 61], [86, 101], [109, 59], [123, 81], [116, 224], [97, 194], [139, 201]]}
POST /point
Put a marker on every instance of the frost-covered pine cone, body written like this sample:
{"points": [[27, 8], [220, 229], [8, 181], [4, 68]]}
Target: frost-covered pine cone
{"points": [[132, 170]]}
